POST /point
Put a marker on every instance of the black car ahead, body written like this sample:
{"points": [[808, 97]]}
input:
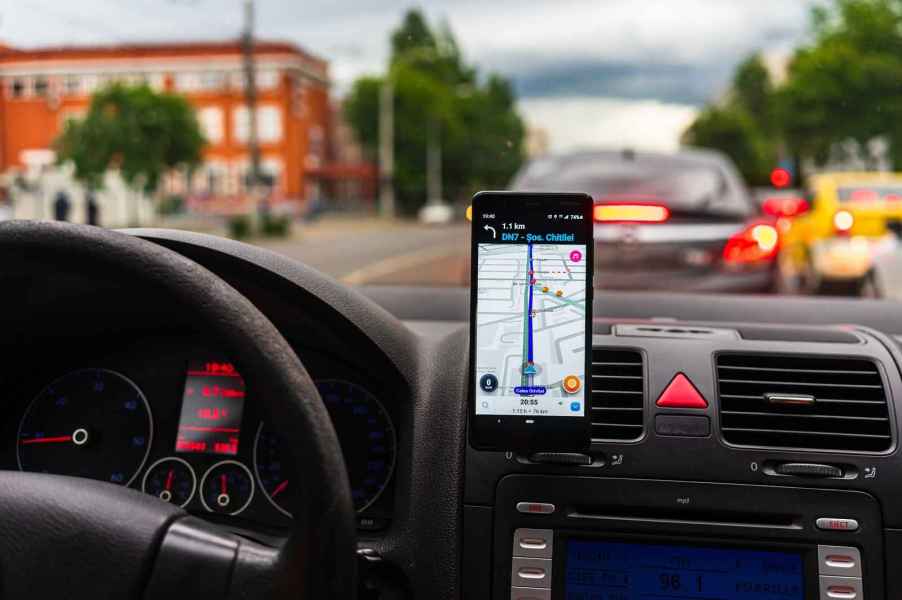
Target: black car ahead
{"points": [[679, 222]]}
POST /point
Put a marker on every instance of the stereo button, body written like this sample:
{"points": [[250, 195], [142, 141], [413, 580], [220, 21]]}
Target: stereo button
{"points": [[534, 543], [844, 561], [836, 524], [841, 588], [535, 508], [521, 593], [531, 572]]}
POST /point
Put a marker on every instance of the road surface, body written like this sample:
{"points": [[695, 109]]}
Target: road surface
{"points": [[373, 251]]}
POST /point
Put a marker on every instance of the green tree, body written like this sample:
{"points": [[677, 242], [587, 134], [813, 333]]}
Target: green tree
{"points": [[754, 91], [437, 94], [744, 126], [136, 130], [734, 132], [845, 84]]}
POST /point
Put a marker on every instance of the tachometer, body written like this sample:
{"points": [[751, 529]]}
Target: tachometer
{"points": [[367, 439], [91, 423]]}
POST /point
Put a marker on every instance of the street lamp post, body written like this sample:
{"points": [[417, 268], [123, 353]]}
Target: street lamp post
{"points": [[387, 148]]}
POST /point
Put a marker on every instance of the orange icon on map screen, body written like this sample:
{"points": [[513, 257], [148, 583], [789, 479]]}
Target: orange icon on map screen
{"points": [[571, 384]]}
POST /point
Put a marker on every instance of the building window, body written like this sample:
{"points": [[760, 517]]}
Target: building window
{"points": [[316, 144], [269, 124], [90, 83], [210, 118], [187, 82], [18, 87], [157, 81], [272, 168], [72, 85], [212, 80], [267, 79], [41, 86]]}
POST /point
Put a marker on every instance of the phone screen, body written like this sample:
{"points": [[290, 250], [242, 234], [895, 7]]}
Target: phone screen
{"points": [[532, 310]]}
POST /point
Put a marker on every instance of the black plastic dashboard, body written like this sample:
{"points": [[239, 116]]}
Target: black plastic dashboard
{"points": [[447, 517]]}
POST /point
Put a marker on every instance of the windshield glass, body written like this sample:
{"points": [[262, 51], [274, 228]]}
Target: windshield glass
{"points": [[352, 135]]}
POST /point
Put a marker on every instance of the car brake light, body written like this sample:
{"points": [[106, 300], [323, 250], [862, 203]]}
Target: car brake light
{"points": [[756, 243], [843, 221], [631, 213], [790, 206]]}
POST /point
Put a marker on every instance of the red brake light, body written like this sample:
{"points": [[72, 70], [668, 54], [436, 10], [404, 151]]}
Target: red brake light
{"points": [[788, 207], [631, 212], [759, 242]]}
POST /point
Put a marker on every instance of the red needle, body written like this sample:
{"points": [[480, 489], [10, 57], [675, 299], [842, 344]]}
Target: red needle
{"points": [[222, 483], [47, 440], [169, 477], [279, 489]]}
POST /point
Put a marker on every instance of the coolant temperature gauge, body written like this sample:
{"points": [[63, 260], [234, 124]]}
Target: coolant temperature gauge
{"points": [[227, 488], [171, 480]]}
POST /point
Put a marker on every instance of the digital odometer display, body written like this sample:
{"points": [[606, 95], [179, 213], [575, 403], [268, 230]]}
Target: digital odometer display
{"points": [[630, 571], [212, 405]]}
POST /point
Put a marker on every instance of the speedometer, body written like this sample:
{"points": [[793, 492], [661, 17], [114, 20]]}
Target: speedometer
{"points": [[89, 423], [367, 439]]}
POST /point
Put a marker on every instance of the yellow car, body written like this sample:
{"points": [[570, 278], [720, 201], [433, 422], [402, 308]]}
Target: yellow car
{"points": [[852, 219]]}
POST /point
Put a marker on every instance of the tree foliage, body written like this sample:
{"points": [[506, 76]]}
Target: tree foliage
{"points": [[136, 130], [846, 85], [437, 94], [743, 126]]}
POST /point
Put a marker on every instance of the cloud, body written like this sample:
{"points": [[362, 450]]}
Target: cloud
{"points": [[673, 50], [579, 122]]}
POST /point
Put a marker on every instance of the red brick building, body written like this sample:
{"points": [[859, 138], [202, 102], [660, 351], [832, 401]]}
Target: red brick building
{"points": [[41, 88]]}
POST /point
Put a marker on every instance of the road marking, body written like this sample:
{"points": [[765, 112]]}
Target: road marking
{"points": [[399, 262]]}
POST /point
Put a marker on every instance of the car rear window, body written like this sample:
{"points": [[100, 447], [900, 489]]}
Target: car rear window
{"points": [[685, 188], [865, 193]]}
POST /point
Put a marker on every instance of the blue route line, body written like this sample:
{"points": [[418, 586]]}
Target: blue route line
{"points": [[530, 277]]}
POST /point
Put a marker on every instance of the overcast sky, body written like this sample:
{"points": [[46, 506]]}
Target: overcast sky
{"points": [[589, 72]]}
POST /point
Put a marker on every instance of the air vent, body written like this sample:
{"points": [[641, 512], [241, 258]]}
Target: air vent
{"points": [[809, 403], [618, 393]]}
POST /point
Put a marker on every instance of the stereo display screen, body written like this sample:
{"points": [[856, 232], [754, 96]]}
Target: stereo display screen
{"points": [[608, 570]]}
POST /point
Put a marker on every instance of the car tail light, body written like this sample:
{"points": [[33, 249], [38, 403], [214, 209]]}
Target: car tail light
{"points": [[790, 206], [632, 212], [843, 221], [756, 243]]}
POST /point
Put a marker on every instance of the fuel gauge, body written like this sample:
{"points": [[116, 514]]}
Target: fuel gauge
{"points": [[227, 488], [171, 480]]}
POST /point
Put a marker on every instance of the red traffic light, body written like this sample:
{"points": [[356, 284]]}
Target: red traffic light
{"points": [[780, 177]]}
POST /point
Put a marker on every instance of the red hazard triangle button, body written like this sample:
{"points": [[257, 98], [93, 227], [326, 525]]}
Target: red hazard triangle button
{"points": [[680, 393]]}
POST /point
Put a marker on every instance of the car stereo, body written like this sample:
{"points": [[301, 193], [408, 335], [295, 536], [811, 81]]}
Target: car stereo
{"points": [[578, 538]]}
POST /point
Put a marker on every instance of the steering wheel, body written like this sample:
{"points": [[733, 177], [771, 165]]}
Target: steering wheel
{"points": [[66, 537]]}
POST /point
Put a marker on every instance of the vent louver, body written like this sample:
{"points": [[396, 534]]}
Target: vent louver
{"points": [[810, 403], [618, 395]]}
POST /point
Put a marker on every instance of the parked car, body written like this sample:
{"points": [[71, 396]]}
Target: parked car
{"points": [[682, 221], [854, 218]]}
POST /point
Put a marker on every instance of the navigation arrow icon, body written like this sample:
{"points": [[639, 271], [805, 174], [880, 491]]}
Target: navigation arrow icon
{"points": [[489, 227]]}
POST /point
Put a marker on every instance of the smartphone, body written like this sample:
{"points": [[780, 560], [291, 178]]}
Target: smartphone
{"points": [[531, 321]]}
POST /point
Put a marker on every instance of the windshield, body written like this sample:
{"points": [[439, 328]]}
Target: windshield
{"points": [[352, 135]]}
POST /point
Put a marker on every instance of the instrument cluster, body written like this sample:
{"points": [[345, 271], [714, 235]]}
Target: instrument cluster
{"points": [[186, 430]]}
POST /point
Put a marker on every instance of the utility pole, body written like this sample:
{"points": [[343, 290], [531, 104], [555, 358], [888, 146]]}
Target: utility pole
{"points": [[387, 148], [250, 99], [434, 163]]}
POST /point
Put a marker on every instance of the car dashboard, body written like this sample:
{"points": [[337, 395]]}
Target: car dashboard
{"points": [[726, 431]]}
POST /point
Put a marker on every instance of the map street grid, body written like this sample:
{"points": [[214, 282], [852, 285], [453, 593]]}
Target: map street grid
{"points": [[530, 319]]}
